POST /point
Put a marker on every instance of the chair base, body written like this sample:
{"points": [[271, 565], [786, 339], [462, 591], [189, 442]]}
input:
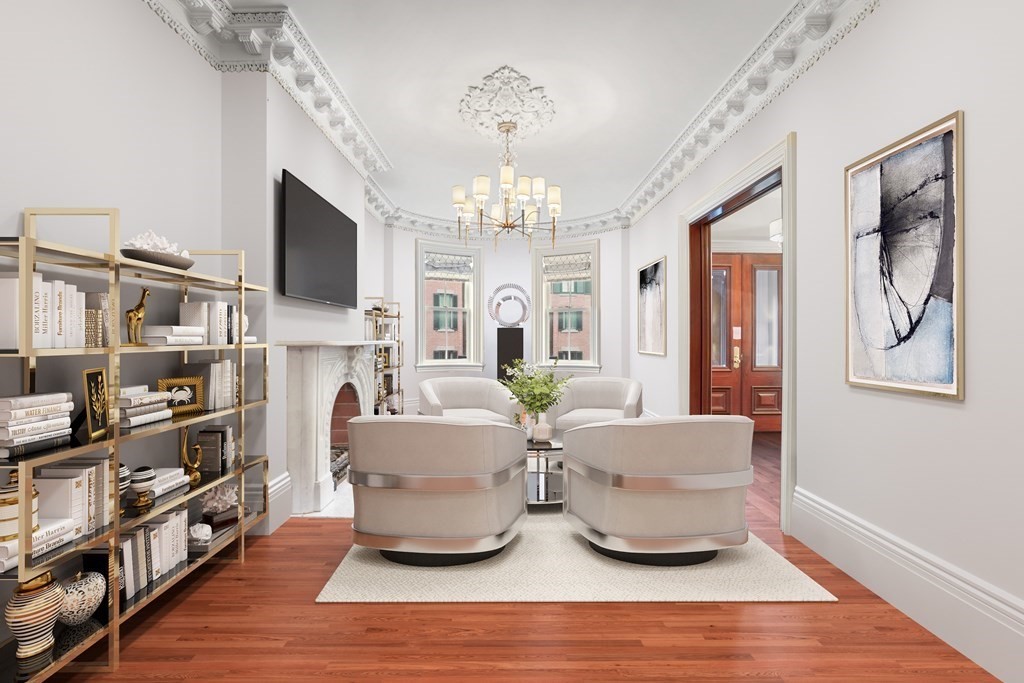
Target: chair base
{"points": [[437, 559], [658, 559]]}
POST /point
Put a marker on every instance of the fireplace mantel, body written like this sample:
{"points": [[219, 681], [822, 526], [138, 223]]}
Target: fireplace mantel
{"points": [[316, 371]]}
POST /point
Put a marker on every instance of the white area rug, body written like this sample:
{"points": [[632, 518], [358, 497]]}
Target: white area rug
{"points": [[548, 562]]}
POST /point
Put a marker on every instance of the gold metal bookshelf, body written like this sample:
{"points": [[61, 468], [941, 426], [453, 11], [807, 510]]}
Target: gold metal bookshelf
{"points": [[384, 328]]}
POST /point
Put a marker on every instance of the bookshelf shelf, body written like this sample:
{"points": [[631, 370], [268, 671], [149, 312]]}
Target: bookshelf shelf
{"points": [[383, 326], [30, 253], [72, 644]]}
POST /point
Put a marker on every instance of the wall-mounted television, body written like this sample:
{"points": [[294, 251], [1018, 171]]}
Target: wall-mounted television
{"points": [[318, 260]]}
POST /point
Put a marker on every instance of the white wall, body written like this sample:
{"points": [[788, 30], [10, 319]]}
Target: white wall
{"points": [[938, 482]]}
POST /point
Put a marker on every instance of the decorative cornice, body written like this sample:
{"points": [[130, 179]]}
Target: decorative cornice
{"points": [[782, 57], [273, 42]]}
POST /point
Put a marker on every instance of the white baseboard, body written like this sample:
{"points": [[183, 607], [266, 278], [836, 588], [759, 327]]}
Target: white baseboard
{"points": [[979, 619], [410, 406], [648, 413], [279, 491]]}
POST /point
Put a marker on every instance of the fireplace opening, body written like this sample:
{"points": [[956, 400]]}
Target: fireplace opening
{"points": [[346, 406]]}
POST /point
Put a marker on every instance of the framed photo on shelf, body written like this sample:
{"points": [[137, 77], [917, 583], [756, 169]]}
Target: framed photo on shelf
{"points": [[904, 264], [97, 413], [385, 354], [652, 309], [186, 394]]}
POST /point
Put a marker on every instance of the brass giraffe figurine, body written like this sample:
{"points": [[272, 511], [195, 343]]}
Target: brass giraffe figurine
{"points": [[134, 318]]}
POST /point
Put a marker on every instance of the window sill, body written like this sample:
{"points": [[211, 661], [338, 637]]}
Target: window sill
{"points": [[566, 366], [449, 367]]}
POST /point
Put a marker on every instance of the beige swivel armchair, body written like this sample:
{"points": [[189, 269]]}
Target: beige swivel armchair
{"points": [[587, 400], [667, 491], [470, 397], [436, 491]]}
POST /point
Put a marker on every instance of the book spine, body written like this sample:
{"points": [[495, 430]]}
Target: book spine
{"points": [[148, 539], [62, 526], [134, 390], [142, 410], [154, 537], [49, 545], [105, 319], [70, 315], [173, 340], [10, 304], [176, 330], [90, 525], [35, 447], [57, 314], [128, 552], [25, 420], [141, 568], [80, 307], [33, 401], [144, 399], [167, 487], [23, 440], [148, 418], [169, 476], [35, 428]]}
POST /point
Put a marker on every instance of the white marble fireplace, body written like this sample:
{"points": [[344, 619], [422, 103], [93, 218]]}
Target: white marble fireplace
{"points": [[316, 371]]}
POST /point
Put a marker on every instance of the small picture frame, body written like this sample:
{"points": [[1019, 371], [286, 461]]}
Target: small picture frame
{"points": [[389, 384], [385, 354], [186, 394], [96, 395]]}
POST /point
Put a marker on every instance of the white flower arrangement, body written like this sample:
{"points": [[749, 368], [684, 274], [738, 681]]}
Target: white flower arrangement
{"points": [[150, 241], [220, 498]]}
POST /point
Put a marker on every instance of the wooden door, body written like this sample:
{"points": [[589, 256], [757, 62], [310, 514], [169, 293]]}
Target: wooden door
{"points": [[746, 338]]}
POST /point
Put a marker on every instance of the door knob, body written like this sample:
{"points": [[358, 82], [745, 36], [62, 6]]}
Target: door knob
{"points": [[736, 357]]}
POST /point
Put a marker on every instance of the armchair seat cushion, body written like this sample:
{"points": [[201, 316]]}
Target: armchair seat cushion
{"points": [[478, 414], [586, 416]]}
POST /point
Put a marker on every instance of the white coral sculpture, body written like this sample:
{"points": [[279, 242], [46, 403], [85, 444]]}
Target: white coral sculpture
{"points": [[150, 241], [220, 498]]}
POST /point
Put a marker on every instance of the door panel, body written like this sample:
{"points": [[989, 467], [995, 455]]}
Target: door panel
{"points": [[749, 290]]}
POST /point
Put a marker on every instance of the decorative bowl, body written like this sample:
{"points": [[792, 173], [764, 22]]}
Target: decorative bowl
{"points": [[159, 258]]}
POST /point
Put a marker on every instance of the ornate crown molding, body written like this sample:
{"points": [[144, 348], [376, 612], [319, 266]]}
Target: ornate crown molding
{"points": [[807, 32], [273, 42]]}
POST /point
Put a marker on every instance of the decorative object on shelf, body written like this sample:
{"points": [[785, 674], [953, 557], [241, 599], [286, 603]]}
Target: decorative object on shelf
{"points": [[30, 666], [536, 389], [84, 593], [542, 431], [509, 305], [142, 484], [186, 393], [200, 533], [652, 309], [124, 482], [70, 637], [220, 506], [904, 271], [32, 612], [507, 109], [9, 509], [191, 466], [97, 412], [133, 319], [385, 355], [153, 248]]}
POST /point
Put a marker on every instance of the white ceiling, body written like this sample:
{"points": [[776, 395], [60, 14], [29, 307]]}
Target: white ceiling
{"points": [[625, 77]]}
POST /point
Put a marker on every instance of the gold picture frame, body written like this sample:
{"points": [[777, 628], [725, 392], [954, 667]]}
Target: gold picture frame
{"points": [[96, 395], [905, 266], [652, 295], [186, 394]]}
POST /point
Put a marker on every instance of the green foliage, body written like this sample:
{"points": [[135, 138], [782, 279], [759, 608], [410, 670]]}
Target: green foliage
{"points": [[534, 387]]}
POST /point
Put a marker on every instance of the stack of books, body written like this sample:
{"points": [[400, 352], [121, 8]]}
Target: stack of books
{"points": [[173, 335], [169, 481], [139, 406], [51, 534], [34, 423], [59, 313], [152, 551], [220, 382], [218, 445], [219, 320]]}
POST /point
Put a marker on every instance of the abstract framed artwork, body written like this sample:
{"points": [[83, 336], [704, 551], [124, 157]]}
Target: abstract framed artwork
{"points": [[652, 309], [904, 266]]}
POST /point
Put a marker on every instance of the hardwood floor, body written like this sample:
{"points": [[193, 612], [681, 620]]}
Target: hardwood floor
{"points": [[259, 622]]}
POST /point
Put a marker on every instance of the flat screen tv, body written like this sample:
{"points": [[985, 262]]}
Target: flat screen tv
{"points": [[318, 260]]}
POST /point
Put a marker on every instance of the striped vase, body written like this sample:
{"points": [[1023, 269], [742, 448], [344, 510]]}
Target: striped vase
{"points": [[32, 612]]}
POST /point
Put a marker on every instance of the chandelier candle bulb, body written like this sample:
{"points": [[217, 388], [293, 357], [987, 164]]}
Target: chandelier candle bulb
{"points": [[538, 189], [482, 187], [468, 208], [555, 196], [524, 187], [458, 195]]}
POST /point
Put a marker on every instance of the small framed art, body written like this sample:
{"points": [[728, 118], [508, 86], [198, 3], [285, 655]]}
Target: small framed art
{"points": [[97, 413], [186, 394]]}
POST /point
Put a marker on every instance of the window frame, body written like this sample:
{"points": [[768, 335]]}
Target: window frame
{"points": [[542, 308], [473, 305]]}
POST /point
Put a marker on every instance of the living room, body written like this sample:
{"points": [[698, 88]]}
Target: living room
{"points": [[657, 123]]}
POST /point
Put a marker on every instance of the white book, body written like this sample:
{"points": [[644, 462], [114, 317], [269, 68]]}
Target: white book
{"points": [[173, 340], [70, 469], [32, 401], [61, 497], [176, 330], [196, 314], [45, 547], [215, 322], [168, 549], [166, 474], [57, 322], [133, 390], [142, 410], [71, 316], [128, 557], [10, 311], [22, 440], [51, 425], [48, 528], [41, 333], [167, 487], [42, 411], [146, 418], [249, 339], [141, 573], [80, 317], [154, 538], [144, 399], [32, 419]]}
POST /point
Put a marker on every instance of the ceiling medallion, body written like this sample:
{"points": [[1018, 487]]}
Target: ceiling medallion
{"points": [[506, 96]]}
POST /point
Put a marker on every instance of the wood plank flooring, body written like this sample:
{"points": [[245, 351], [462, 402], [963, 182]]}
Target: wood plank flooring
{"points": [[259, 622]]}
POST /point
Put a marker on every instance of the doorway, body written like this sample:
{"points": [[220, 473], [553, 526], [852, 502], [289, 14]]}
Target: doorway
{"points": [[774, 171]]}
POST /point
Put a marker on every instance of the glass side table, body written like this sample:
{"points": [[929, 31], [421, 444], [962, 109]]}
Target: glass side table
{"points": [[544, 472]]}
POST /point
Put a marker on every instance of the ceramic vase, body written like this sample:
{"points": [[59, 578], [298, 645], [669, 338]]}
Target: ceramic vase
{"points": [[142, 484], [9, 509], [32, 612], [84, 593], [542, 431]]}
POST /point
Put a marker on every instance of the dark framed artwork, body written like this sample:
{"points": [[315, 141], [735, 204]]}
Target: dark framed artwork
{"points": [[904, 266], [97, 413], [652, 299], [385, 354], [186, 394]]}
